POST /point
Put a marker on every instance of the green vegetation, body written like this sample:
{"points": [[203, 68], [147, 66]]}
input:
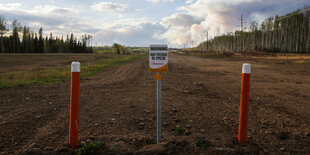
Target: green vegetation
{"points": [[180, 131], [103, 49], [59, 74], [120, 49], [31, 42], [91, 148], [203, 143], [288, 33]]}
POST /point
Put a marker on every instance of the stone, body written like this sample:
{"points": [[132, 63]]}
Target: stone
{"points": [[32, 145], [83, 143], [141, 124], [174, 110], [176, 120], [282, 149], [185, 91]]}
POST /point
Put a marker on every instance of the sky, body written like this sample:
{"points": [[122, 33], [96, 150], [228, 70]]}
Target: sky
{"points": [[177, 23]]}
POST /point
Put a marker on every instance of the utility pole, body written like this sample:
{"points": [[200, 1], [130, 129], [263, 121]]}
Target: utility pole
{"points": [[242, 36], [207, 40]]}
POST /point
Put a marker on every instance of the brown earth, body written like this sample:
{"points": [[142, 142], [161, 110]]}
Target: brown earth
{"points": [[200, 95]]}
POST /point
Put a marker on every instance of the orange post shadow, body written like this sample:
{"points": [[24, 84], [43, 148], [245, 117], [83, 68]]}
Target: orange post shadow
{"points": [[244, 103], [74, 105]]}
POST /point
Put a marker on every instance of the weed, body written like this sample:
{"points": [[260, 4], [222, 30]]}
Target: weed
{"points": [[112, 149], [91, 148], [203, 143], [180, 131]]}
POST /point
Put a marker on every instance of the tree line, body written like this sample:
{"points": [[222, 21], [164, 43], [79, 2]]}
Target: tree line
{"points": [[20, 39], [288, 33]]}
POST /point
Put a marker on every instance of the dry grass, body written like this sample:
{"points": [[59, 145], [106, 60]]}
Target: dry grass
{"points": [[57, 74]]}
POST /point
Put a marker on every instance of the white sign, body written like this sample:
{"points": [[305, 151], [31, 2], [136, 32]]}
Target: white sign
{"points": [[158, 58]]}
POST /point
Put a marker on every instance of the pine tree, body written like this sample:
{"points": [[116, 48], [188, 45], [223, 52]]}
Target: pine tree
{"points": [[3, 29]]}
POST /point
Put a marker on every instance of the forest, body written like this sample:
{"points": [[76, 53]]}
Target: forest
{"points": [[20, 39], [289, 33]]}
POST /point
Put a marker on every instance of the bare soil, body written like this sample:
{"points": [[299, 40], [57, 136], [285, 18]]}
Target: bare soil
{"points": [[200, 95]]}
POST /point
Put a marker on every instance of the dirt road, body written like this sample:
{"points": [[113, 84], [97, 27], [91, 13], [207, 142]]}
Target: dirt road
{"points": [[118, 107]]}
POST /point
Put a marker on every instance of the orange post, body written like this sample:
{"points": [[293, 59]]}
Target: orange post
{"points": [[74, 104], [244, 103]]}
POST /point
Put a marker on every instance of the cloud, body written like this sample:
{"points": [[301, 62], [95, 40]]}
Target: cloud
{"points": [[60, 21], [140, 34], [109, 6], [181, 20], [189, 1], [14, 5], [180, 28], [218, 17], [160, 1]]}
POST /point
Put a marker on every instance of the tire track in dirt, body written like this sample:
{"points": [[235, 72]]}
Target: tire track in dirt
{"points": [[118, 107]]}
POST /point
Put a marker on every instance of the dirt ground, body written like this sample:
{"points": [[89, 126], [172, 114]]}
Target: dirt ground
{"points": [[200, 95]]}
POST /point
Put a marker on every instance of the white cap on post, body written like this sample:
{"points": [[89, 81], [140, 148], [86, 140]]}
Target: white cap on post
{"points": [[75, 66], [246, 68]]}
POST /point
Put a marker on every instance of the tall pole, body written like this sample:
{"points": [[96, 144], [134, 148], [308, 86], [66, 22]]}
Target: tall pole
{"points": [[74, 105], [244, 103], [207, 40], [242, 36], [158, 128]]}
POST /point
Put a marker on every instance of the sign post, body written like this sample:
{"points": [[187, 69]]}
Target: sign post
{"points": [[158, 62], [158, 119]]}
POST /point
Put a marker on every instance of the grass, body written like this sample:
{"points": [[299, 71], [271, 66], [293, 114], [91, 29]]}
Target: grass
{"points": [[91, 148], [59, 74], [180, 131], [203, 143]]}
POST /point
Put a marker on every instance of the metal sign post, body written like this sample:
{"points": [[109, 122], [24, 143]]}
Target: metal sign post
{"points": [[158, 63], [158, 129]]}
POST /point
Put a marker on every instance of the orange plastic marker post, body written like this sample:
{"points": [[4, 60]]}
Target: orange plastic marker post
{"points": [[244, 103], [74, 104]]}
